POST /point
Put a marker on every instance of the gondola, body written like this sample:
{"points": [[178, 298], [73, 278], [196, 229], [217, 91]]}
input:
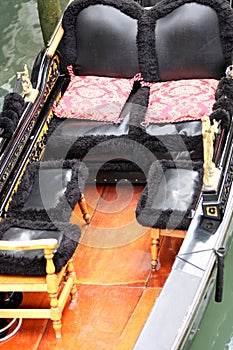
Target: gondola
{"points": [[132, 101]]}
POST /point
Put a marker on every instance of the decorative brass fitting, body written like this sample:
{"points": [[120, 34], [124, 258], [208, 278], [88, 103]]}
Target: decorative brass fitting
{"points": [[211, 172], [30, 94]]}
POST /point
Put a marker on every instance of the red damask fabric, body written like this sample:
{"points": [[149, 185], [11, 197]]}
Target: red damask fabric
{"points": [[180, 100], [94, 98]]}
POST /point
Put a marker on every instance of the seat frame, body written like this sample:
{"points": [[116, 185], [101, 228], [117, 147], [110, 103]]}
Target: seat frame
{"points": [[59, 286]]}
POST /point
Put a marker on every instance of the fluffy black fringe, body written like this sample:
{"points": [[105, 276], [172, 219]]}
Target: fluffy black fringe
{"points": [[24, 266], [223, 107], [9, 117]]}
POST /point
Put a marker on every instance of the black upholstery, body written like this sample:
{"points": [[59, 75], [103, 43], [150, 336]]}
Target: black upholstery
{"points": [[32, 262], [99, 43], [49, 191], [101, 40], [182, 49], [171, 193]]}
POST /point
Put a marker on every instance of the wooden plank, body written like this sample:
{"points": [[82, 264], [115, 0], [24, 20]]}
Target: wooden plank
{"points": [[96, 320], [114, 249], [129, 264], [136, 322]]}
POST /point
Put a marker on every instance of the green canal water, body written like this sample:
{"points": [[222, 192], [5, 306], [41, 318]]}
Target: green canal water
{"points": [[20, 41]]}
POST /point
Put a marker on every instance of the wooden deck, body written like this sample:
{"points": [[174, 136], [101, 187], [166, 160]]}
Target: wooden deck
{"points": [[116, 288]]}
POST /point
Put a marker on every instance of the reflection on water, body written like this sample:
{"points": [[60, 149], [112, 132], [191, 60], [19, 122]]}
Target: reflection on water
{"points": [[20, 40]]}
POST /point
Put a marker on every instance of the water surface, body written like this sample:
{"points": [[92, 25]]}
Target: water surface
{"points": [[20, 40]]}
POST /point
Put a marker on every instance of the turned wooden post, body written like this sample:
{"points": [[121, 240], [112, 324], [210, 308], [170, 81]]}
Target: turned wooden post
{"points": [[83, 206], [155, 242], [52, 285], [71, 272]]}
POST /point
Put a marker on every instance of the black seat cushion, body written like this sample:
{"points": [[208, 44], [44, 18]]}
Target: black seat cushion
{"points": [[49, 190], [32, 262], [171, 193]]}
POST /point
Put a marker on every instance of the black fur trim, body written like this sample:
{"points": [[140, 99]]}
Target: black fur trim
{"points": [[146, 47], [10, 265], [14, 102], [6, 127], [221, 115], [158, 218], [224, 103], [64, 208], [11, 115], [224, 88], [223, 107], [121, 145]]}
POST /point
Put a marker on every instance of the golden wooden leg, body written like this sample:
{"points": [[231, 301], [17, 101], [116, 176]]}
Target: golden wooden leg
{"points": [[83, 206], [71, 272], [57, 328], [155, 242], [53, 288]]}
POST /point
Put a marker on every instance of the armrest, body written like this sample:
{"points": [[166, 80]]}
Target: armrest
{"points": [[47, 243]]}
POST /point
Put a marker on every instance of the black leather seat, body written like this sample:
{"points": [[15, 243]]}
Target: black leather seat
{"points": [[49, 191], [37, 241], [169, 41], [32, 262], [167, 202], [170, 195]]}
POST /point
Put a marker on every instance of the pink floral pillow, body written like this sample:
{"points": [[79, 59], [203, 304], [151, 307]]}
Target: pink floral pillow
{"points": [[180, 100], [93, 98]]}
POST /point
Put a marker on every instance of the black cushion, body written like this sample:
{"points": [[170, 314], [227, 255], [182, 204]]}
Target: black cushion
{"points": [[32, 262], [170, 195], [101, 37], [188, 43], [49, 190], [99, 43]]}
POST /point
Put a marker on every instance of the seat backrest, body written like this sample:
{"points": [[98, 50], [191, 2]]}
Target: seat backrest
{"points": [[171, 40], [192, 38]]}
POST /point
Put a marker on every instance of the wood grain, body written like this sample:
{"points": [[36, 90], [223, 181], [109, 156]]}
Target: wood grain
{"points": [[116, 288]]}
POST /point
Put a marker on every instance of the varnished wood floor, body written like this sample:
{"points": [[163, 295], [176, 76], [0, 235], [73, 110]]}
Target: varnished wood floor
{"points": [[116, 288]]}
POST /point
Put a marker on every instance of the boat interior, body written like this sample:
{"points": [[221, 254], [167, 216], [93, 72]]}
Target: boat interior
{"points": [[124, 128]]}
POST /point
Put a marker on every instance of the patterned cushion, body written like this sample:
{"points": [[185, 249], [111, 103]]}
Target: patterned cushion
{"points": [[94, 98], [180, 100]]}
